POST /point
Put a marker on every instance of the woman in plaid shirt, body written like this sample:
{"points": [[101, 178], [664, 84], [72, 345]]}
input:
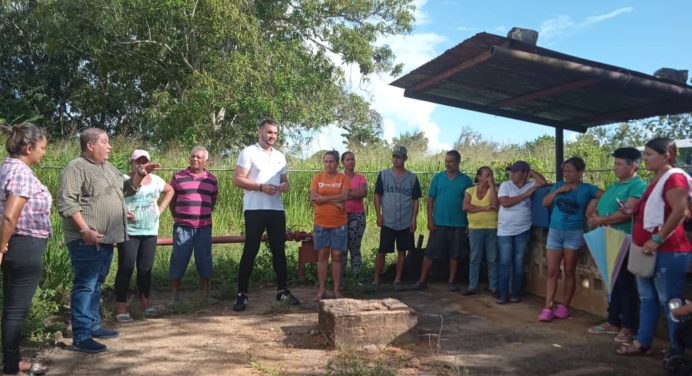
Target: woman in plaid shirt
{"points": [[24, 232]]}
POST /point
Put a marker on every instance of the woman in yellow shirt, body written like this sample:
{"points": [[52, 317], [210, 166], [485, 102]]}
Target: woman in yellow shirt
{"points": [[480, 202]]}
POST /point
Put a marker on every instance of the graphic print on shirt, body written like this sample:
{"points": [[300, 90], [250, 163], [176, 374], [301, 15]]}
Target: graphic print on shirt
{"points": [[567, 204]]}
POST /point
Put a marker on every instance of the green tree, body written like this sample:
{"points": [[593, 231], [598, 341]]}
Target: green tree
{"points": [[673, 126], [192, 70], [415, 142], [364, 125]]}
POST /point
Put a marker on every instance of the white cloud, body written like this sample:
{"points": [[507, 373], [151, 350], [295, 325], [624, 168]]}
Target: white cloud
{"points": [[603, 17], [562, 25], [402, 114], [466, 28], [399, 114], [421, 17], [500, 29], [553, 27], [329, 138], [388, 129]]}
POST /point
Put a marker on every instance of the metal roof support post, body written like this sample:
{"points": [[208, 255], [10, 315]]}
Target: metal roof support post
{"points": [[559, 152]]}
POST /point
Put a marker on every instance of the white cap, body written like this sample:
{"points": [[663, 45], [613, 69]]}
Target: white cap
{"points": [[138, 153]]}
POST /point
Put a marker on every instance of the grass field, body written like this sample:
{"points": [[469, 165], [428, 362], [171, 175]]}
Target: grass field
{"points": [[228, 220]]}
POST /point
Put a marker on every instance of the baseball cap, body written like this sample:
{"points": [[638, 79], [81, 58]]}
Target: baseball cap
{"points": [[139, 153], [627, 153], [400, 150], [519, 166]]}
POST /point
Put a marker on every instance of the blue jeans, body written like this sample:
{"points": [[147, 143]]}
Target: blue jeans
{"points": [[90, 266], [512, 250], [185, 239], [667, 283], [483, 240]]}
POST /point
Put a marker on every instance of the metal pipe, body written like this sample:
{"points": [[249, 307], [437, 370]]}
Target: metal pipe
{"points": [[624, 77], [559, 152], [290, 236]]}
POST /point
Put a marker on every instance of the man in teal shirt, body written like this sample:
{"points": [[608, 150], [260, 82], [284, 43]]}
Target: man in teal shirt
{"points": [[447, 221], [615, 209]]}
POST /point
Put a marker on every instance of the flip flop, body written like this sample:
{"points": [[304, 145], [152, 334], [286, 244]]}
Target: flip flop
{"points": [[631, 349], [624, 337], [36, 367], [601, 329], [124, 318]]}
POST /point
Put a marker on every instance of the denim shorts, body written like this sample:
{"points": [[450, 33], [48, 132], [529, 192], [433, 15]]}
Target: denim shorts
{"points": [[336, 238], [559, 240]]}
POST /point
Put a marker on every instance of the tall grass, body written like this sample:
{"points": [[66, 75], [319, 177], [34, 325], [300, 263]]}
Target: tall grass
{"points": [[228, 219]]}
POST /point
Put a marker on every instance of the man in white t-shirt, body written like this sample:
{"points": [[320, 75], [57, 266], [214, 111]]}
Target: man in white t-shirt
{"points": [[514, 228], [261, 173]]}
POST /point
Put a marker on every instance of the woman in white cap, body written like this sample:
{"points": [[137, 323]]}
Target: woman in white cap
{"points": [[144, 209]]}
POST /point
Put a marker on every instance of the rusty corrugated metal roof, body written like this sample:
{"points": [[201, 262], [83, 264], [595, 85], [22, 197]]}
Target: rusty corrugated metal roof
{"points": [[500, 76]]}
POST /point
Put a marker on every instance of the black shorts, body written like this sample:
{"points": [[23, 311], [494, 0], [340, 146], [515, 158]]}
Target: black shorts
{"points": [[403, 239], [447, 243]]}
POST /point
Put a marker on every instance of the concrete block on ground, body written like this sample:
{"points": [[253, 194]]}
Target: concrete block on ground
{"points": [[352, 322]]}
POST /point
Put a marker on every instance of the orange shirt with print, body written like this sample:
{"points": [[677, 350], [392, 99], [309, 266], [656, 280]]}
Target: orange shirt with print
{"points": [[329, 214]]}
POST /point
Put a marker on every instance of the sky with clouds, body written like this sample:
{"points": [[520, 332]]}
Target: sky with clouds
{"points": [[639, 35]]}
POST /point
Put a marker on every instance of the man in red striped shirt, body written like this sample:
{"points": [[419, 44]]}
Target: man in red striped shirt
{"points": [[196, 191]]}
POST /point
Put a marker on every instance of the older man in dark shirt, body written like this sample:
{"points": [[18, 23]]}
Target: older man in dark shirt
{"points": [[91, 202]]}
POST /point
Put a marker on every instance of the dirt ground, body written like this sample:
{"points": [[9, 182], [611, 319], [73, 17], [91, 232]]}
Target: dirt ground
{"points": [[478, 337]]}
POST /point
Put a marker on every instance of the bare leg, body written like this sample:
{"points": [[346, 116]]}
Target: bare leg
{"points": [[336, 272], [120, 307], [425, 269], [175, 287], [204, 285], [400, 261], [571, 258], [379, 264], [143, 302], [453, 264], [553, 258], [323, 260]]}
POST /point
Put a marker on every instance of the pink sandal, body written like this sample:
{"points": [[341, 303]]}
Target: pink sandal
{"points": [[561, 311], [546, 315]]}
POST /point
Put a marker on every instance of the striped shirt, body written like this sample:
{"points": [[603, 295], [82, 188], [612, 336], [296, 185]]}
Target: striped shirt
{"points": [[18, 179], [195, 196], [97, 191]]}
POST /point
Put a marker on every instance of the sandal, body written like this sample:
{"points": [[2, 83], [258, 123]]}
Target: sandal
{"points": [[624, 337], [561, 311], [124, 318], [604, 329], [151, 312], [546, 315], [35, 366], [633, 349]]}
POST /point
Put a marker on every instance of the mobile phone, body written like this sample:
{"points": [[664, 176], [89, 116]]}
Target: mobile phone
{"points": [[623, 206], [620, 203]]}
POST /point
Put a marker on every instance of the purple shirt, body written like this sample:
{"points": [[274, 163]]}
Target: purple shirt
{"points": [[18, 179], [195, 196]]}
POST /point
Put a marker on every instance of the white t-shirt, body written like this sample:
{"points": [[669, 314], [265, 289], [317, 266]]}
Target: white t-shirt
{"points": [[515, 219], [265, 167]]}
